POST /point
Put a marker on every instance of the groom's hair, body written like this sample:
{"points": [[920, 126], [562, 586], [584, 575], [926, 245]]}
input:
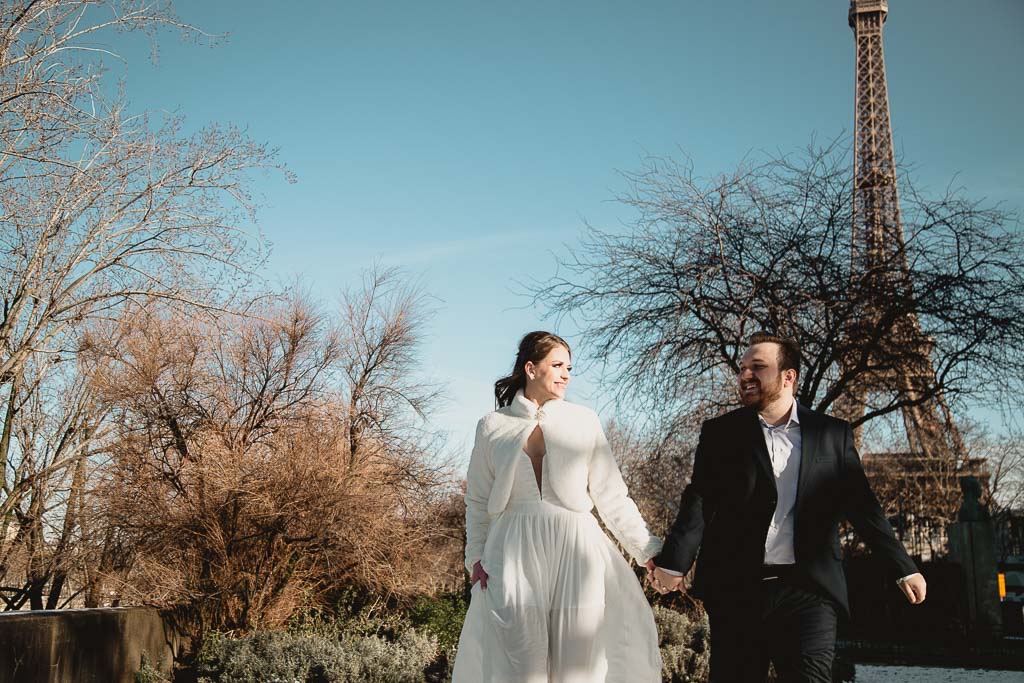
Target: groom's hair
{"points": [[789, 350]]}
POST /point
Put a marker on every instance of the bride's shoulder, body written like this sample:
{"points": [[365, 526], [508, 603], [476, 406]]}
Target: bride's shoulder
{"points": [[578, 413], [493, 419]]}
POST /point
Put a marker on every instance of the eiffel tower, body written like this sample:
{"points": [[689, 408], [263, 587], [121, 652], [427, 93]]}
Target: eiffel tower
{"points": [[902, 366]]}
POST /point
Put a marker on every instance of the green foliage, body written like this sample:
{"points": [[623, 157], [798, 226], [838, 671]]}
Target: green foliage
{"points": [[310, 657], [684, 643], [356, 613], [148, 674], [441, 617]]}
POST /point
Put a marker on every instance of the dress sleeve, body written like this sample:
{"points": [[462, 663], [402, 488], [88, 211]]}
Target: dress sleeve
{"points": [[617, 510], [479, 481]]}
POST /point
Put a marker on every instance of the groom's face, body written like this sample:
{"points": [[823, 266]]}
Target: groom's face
{"points": [[760, 381]]}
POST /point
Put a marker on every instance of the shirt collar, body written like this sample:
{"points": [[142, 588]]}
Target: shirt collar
{"points": [[794, 418]]}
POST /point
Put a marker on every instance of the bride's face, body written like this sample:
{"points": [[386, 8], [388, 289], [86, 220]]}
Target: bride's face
{"points": [[549, 378]]}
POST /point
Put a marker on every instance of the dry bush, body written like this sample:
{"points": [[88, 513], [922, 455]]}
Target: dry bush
{"points": [[258, 534], [238, 478]]}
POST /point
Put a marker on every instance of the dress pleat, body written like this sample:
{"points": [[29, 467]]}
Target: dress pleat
{"points": [[561, 605]]}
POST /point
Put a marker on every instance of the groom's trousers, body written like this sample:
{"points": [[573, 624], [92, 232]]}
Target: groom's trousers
{"points": [[784, 623]]}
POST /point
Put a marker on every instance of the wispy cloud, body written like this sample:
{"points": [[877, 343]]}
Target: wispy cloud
{"points": [[430, 252]]}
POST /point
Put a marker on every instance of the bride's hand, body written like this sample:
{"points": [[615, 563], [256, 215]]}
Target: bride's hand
{"points": [[661, 581], [478, 575]]}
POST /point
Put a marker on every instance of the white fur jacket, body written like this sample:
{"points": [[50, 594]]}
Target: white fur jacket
{"points": [[579, 465]]}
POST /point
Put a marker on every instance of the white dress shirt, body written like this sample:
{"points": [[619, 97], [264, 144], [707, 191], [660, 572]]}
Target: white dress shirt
{"points": [[784, 448]]}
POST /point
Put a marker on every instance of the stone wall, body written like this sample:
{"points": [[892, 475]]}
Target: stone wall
{"points": [[83, 645]]}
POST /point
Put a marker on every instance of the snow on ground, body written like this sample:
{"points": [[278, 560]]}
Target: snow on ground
{"points": [[870, 673]]}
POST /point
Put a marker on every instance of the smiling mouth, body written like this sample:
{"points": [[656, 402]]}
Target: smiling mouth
{"points": [[750, 388]]}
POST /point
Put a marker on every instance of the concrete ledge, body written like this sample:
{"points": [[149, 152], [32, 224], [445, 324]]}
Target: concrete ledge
{"points": [[83, 645]]}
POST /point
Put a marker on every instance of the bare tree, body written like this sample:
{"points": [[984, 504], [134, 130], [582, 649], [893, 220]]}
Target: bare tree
{"points": [[1004, 456], [101, 209], [388, 399], [58, 424], [668, 305], [100, 206], [382, 321]]}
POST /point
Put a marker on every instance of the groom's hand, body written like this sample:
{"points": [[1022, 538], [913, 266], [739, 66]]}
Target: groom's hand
{"points": [[668, 582], [914, 587], [662, 581]]}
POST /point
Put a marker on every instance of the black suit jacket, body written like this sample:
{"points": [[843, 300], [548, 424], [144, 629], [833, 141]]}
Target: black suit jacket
{"points": [[728, 506]]}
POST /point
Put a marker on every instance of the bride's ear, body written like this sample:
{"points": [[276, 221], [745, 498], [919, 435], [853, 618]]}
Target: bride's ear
{"points": [[529, 367]]}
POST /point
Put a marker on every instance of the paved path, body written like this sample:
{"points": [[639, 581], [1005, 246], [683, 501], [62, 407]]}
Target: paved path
{"points": [[870, 673]]}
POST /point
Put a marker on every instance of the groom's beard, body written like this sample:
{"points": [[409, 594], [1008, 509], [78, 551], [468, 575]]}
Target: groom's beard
{"points": [[766, 394]]}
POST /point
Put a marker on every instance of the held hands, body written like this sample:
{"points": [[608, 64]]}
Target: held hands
{"points": [[478, 575], [914, 587], [662, 581]]}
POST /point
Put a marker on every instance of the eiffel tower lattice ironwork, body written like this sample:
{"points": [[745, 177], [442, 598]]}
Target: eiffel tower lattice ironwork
{"points": [[902, 367]]}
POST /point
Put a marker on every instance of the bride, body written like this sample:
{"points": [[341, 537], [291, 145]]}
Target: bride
{"points": [[553, 600]]}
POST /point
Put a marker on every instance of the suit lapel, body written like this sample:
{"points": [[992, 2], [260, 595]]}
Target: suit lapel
{"points": [[759, 448], [810, 448]]}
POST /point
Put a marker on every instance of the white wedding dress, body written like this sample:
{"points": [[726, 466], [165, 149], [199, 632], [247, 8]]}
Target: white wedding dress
{"points": [[561, 603]]}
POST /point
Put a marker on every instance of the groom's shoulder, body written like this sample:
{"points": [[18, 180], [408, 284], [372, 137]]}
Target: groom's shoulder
{"points": [[829, 423], [729, 420]]}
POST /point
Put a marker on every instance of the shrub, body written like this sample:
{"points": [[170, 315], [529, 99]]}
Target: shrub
{"points": [[309, 657], [441, 617], [377, 661], [358, 613], [147, 673], [684, 643]]}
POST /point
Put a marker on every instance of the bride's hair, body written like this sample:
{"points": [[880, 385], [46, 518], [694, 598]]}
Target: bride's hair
{"points": [[534, 347]]}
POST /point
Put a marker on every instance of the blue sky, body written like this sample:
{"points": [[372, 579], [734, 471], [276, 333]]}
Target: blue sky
{"points": [[469, 141]]}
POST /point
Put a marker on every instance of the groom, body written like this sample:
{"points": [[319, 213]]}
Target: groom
{"points": [[771, 482]]}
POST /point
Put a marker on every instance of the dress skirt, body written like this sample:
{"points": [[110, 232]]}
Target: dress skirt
{"points": [[561, 603]]}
